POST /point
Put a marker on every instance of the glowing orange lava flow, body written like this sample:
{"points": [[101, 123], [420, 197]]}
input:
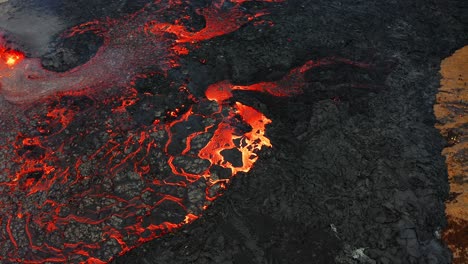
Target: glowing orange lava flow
{"points": [[251, 142], [116, 152], [290, 85]]}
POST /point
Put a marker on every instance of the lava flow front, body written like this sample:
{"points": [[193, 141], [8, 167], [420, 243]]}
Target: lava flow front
{"points": [[96, 162]]}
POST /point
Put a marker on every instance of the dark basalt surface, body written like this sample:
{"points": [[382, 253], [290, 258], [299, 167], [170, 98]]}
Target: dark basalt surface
{"points": [[355, 174]]}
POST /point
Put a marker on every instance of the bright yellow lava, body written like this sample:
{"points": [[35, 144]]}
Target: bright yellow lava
{"points": [[11, 61]]}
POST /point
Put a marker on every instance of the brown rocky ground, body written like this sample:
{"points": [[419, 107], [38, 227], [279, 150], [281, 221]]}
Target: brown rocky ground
{"points": [[451, 112]]}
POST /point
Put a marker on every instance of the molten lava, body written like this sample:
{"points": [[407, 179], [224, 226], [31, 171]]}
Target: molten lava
{"points": [[290, 85], [114, 153]]}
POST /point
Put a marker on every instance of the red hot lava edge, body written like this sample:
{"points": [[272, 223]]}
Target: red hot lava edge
{"points": [[84, 179]]}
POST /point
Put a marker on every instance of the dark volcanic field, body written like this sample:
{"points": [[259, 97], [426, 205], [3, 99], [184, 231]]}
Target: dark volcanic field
{"points": [[355, 174], [362, 161]]}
